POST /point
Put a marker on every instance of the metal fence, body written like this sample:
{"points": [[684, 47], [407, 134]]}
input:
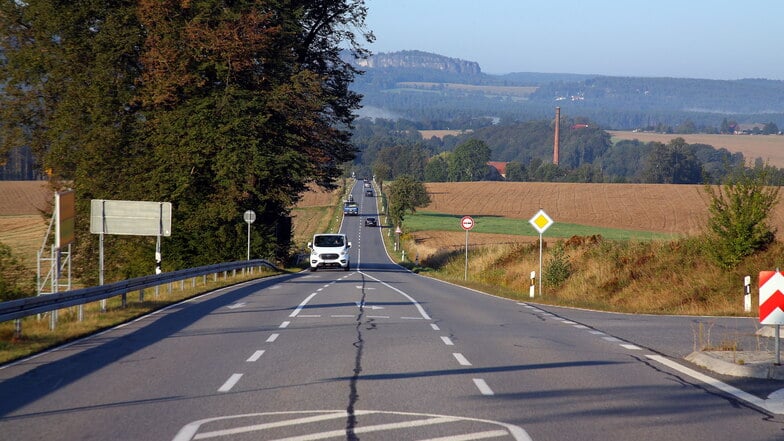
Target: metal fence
{"points": [[19, 308]]}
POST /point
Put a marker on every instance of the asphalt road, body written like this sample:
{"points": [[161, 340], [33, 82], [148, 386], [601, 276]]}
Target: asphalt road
{"points": [[378, 353]]}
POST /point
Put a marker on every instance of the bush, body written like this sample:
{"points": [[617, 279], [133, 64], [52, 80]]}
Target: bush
{"points": [[558, 267], [739, 212]]}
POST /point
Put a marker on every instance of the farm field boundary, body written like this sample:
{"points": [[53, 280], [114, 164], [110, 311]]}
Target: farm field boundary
{"points": [[767, 147]]}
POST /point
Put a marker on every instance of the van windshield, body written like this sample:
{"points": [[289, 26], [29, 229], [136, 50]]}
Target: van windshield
{"points": [[328, 241]]}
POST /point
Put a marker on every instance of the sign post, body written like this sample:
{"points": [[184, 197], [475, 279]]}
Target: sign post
{"points": [[250, 217], [771, 304], [541, 222], [467, 222]]}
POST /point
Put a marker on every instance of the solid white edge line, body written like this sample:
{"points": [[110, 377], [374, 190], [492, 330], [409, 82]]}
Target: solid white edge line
{"points": [[230, 383], [483, 387], [724, 387], [416, 304]]}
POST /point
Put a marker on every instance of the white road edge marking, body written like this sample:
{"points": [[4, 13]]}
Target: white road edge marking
{"points": [[272, 338], [416, 304], [483, 387], [230, 383], [256, 355], [461, 359], [772, 407]]}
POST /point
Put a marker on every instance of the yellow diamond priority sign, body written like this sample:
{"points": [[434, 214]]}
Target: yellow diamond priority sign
{"points": [[541, 221]]}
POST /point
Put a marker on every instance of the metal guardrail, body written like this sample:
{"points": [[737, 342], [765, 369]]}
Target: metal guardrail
{"points": [[19, 308]]}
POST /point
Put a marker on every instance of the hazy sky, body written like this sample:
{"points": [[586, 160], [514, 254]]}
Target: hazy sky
{"points": [[716, 39]]}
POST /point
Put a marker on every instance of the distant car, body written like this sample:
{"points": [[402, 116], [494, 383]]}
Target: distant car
{"points": [[371, 222], [369, 192]]}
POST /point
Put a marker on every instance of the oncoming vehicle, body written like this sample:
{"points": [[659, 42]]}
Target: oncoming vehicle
{"points": [[371, 222], [329, 250]]}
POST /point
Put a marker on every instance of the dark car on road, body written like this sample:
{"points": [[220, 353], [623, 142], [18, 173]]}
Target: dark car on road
{"points": [[371, 222]]}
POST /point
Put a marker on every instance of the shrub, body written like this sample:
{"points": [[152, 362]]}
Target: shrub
{"points": [[558, 267]]}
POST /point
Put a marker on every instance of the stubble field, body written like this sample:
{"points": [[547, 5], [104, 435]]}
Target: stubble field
{"points": [[768, 147], [22, 225], [661, 208]]}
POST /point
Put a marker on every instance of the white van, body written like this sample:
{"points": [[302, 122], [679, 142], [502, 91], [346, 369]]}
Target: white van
{"points": [[329, 250]]}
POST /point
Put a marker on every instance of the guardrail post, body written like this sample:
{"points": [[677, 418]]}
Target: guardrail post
{"points": [[182, 285], [18, 328], [141, 295], [193, 282], [204, 279], [124, 300]]}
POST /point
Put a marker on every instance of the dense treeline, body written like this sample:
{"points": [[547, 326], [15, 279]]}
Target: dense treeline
{"points": [[217, 107], [586, 155]]}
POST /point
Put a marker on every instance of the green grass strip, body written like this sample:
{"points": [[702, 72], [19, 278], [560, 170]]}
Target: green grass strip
{"points": [[432, 221]]}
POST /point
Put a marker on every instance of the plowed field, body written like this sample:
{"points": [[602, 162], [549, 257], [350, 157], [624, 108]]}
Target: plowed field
{"points": [[677, 209]]}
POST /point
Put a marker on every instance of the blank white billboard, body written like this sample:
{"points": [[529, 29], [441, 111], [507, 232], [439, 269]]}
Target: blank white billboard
{"points": [[133, 218]]}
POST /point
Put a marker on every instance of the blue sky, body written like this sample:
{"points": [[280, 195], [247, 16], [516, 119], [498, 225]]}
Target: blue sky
{"points": [[715, 39]]}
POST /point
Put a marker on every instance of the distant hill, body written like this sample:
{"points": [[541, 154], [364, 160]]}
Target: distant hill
{"points": [[423, 86]]}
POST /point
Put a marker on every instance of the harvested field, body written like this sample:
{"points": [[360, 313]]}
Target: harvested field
{"points": [[317, 197], [25, 197], [22, 226], [767, 147], [440, 134], [673, 209]]}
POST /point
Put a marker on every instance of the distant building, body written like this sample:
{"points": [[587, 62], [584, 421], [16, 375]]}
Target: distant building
{"points": [[500, 166]]}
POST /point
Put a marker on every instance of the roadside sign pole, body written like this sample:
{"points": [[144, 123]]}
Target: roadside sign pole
{"points": [[467, 222], [250, 217], [541, 222], [540, 265], [465, 275]]}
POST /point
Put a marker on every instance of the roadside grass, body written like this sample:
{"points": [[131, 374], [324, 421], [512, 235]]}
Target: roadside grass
{"points": [[608, 270], [426, 221]]}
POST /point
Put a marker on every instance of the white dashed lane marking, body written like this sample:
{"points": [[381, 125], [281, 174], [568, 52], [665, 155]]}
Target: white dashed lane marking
{"points": [[483, 387], [461, 359], [229, 384]]}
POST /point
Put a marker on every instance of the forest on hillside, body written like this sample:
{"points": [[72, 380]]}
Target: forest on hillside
{"points": [[587, 154]]}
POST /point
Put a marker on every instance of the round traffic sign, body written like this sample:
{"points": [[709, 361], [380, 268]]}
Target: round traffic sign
{"points": [[249, 216], [467, 222]]}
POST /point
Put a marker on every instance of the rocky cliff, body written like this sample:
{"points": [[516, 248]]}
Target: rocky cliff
{"points": [[421, 60]]}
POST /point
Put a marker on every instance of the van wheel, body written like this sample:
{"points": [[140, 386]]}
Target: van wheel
{"points": [[313, 268]]}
